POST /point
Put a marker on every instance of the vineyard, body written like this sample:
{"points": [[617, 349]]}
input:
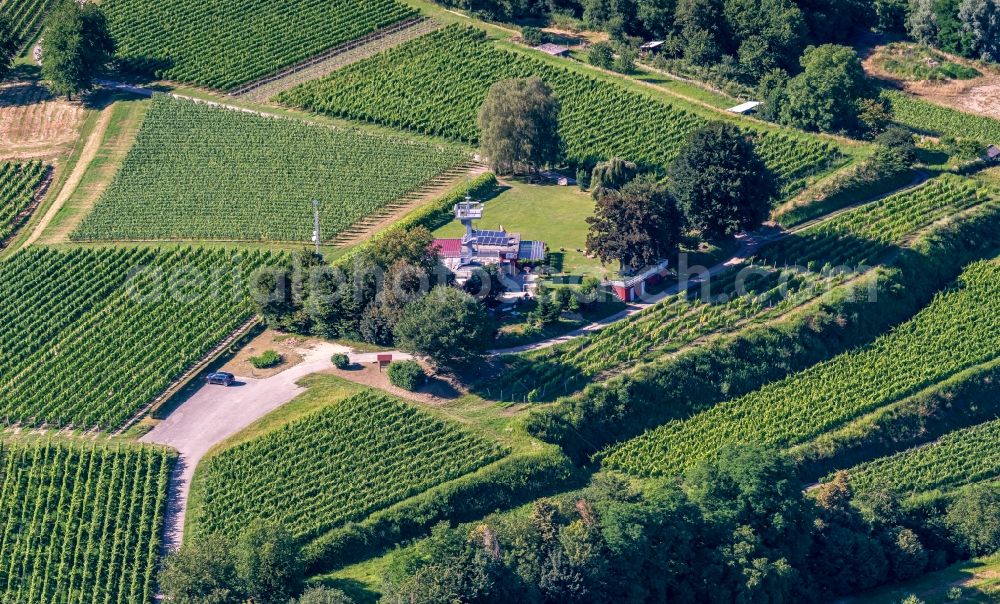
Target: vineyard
{"points": [[18, 183], [785, 275], [80, 522], [224, 43], [26, 17], [959, 329], [436, 84], [203, 172], [336, 465], [959, 458], [923, 116], [90, 336]]}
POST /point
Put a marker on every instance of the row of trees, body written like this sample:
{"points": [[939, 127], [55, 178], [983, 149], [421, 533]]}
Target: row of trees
{"points": [[728, 40], [718, 186], [735, 529], [76, 45]]}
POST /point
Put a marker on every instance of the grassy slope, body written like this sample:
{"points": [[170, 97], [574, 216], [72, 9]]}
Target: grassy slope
{"points": [[979, 580], [126, 118]]}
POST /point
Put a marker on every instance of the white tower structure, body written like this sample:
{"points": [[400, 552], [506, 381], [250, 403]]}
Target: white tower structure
{"points": [[467, 212]]}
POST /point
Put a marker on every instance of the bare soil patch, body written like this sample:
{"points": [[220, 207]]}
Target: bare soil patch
{"points": [[438, 390], [288, 346], [34, 124], [979, 95]]}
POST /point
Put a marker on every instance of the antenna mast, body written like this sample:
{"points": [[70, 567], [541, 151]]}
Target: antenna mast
{"points": [[316, 224]]}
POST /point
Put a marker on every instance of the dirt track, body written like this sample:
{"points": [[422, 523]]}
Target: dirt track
{"points": [[90, 149]]}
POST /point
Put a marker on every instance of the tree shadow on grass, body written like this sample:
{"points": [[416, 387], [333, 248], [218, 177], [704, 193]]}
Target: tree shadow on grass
{"points": [[356, 590]]}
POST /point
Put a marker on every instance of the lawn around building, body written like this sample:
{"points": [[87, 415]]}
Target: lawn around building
{"points": [[554, 214]]}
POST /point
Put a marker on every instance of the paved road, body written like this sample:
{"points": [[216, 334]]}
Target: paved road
{"points": [[214, 413]]}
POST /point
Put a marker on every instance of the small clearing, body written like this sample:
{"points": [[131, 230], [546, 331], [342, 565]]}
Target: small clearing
{"points": [[88, 154], [34, 124], [979, 95]]}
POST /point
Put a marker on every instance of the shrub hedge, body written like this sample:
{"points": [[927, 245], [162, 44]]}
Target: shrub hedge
{"points": [[266, 359], [627, 406], [408, 375], [506, 483]]}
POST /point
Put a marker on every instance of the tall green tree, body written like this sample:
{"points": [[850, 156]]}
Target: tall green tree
{"points": [[974, 519], [921, 21], [826, 96], [75, 47], [201, 572], [519, 126], [720, 183], [447, 325], [981, 23], [8, 45], [267, 563], [636, 225], [702, 25], [835, 20], [767, 34], [657, 17], [614, 173]]}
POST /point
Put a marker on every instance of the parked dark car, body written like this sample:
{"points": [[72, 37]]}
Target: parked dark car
{"points": [[221, 378]]}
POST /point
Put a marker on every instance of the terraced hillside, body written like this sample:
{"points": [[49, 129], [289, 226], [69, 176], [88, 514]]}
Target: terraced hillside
{"points": [[923, 116], [436, 84], [336, 465], [958, 458], [90, 336], [224, 43], [202, 172], [956, 331], [783, 276], [18, 186], [26, 17], [80, 521]]}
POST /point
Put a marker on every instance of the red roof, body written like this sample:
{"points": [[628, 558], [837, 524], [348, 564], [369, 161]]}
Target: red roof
{"points": [[448, 248]]}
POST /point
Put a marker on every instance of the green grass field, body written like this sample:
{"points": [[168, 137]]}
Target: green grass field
{"points": [[553, 214]]}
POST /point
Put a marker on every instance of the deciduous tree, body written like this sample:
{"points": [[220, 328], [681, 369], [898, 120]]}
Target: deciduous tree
{"points": [[825, 96], [447, 325], [721, 185], [75, 47], [267, 563], [636, 225], [981, 22], [202, 571], [519, 126]]}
